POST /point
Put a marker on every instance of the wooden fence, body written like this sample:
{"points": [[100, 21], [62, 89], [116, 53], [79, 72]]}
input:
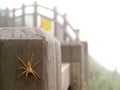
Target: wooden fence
{"points": [[20, 17]]}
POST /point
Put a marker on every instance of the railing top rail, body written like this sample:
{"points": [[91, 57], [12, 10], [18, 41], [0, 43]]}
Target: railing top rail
{"points": [[45, 8]]}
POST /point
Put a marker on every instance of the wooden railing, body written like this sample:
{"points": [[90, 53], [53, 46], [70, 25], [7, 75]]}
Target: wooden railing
{"points": [[18, 18]]}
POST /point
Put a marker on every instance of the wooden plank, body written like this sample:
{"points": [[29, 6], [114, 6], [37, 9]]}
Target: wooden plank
{"points": [[75, 53], [58, 65], [28, 41], [75, 70], [65, 49], [71, 52]]}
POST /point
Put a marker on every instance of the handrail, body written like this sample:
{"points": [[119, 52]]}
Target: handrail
{"points": [[36, 6], [45, 8]]}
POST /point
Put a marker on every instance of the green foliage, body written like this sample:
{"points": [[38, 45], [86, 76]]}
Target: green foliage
{"points": [[102, 79]]}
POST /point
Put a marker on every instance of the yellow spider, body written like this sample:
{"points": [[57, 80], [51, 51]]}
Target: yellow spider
{"points": [[28, 67]]}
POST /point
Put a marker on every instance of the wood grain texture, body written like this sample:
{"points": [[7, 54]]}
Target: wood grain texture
{"points": [[23, 42]]}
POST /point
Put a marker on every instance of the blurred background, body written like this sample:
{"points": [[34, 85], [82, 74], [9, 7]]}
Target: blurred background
{"points": [[99, 25]]}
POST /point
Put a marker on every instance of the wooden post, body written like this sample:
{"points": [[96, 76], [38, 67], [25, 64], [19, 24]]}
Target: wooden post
{"points": [[6, 20], [85, 71], [77, 32], [0, 19], [23, 15], [65, 26], [58, 66], [76, 54], [35, 14], [55, 21], [29, 45], [0, 22], [13, 18], [59, 30], [76, 61]]}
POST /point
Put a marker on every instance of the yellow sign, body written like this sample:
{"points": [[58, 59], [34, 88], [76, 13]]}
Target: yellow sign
{"points": [[45, 24]]}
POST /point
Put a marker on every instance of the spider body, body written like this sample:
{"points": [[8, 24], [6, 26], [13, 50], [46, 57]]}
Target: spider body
{"points": [[28, 67]]}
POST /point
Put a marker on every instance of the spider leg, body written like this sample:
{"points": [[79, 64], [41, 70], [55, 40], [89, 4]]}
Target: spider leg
{"points": [[21, 60], [34, 74], [36, 63], [22, 73], [27, 74], [38, 76], [22, 68]]}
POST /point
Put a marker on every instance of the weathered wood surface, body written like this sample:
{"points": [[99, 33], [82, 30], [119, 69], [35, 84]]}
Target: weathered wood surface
{"points": [[75, 71], [85, 72], [71, 52], [65, 49], [65, 76], [23, 42], [77, 55], [58, 65]]}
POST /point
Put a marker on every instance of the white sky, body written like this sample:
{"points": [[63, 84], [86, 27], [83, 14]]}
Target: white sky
{"points": [[98, 21]]}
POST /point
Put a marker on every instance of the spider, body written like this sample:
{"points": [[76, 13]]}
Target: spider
{"points": [[28, 67]]}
